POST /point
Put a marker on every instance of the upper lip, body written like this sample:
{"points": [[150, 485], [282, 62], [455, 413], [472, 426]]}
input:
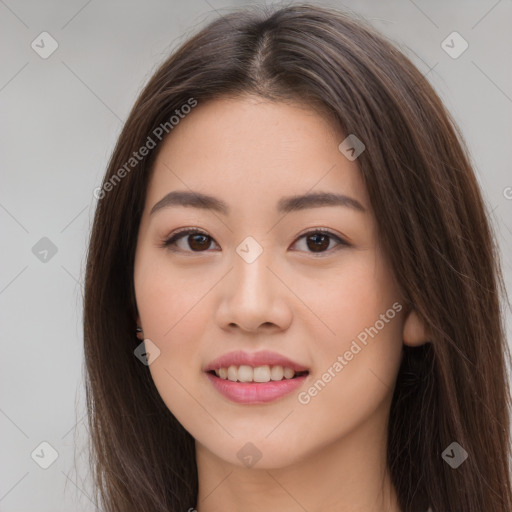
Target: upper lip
{"points": [[262, 358]]}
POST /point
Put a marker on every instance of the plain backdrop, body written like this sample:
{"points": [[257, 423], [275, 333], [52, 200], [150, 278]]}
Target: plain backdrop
{"points": [[60, 117]]}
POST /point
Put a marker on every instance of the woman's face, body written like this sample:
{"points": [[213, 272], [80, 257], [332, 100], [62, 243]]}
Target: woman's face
{"points": [[259, 283]]}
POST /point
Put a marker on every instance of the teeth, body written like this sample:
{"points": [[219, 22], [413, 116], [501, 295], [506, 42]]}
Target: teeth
{"points": [[261, 374], [245, 373], [288, 373], [232, 373], [276, 373]]}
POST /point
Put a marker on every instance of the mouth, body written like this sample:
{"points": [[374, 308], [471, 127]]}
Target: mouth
{"points": [[255, 378]]}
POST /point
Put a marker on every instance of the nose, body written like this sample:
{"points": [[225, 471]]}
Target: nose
{"points": [[254, 297]]}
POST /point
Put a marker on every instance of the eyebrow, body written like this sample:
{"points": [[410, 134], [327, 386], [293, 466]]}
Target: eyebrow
{"points": [[284, 205]]}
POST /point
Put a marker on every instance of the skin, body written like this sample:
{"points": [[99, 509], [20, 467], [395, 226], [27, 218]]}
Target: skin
{"points": [[328, 454]]}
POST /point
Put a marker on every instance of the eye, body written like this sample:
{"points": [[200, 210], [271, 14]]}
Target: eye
{"points": [[317, 241], [198, 241]]}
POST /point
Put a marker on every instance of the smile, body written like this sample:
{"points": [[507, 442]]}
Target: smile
{"points": [[252, 378]]}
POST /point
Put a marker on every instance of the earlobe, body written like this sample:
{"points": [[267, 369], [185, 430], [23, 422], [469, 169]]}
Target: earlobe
{"points": [[139, 332], [415, 332]]}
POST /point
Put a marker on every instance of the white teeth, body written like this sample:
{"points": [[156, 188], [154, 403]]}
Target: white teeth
{"points": [[288, 373], [261, 374], [245, 373], [232, 373], [277, 373]]}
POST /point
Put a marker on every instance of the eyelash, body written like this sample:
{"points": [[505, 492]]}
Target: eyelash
{"points": [[171, 240]]}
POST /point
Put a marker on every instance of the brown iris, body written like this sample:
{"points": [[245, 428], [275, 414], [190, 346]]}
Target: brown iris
{"points": [[321, 242]]}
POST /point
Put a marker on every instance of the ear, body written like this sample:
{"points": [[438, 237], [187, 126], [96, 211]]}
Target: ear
{"points": [[415, 332]]}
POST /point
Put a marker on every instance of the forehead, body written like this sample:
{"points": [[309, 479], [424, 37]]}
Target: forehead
{"points": [[251, 151]]}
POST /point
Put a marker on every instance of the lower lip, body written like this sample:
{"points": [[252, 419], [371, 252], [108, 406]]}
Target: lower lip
{"points": [[255, 392]]}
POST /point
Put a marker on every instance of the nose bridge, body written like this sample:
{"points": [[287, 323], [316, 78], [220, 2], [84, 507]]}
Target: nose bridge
{"points": [[250, 298], [252, 278]]}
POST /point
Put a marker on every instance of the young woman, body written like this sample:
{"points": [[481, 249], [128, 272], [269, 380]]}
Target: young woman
{"points": [[293, 291]]}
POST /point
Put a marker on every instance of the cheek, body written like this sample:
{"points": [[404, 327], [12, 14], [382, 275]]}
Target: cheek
{"points": [[357, 366], [356, 295], [343, 401], [167, 298], [171, 313], [170, 308]]}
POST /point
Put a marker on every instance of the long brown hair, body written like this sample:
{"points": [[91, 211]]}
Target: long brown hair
{"points": [[432, 224]]}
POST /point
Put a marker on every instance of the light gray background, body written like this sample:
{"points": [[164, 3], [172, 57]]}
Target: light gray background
{"points": [[60, 118]]}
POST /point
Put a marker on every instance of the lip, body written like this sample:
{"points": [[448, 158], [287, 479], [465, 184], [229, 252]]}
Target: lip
{"points": [[255, 392], [261, 358]]}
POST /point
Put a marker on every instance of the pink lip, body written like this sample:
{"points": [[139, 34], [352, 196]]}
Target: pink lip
{"points": [[255, 392], [262, 358]]}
